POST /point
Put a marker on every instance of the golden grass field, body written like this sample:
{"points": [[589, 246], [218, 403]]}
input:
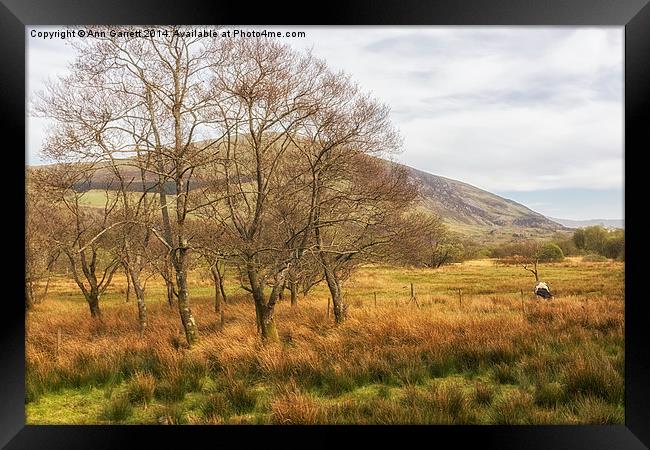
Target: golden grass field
{"points": [[494, 358]]}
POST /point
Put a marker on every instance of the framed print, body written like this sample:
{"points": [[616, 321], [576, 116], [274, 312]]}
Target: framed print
{"points": [[385, 219]]}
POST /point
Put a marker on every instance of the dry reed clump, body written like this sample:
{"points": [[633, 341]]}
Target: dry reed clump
{"points": [[216, 408], [417, 405], [544, 365], [239, 394], [550, 394], [596, 411], [294, 407], [118, 409], [453, 401], [141, 388], [483, 393], [505, 374], [515, 409]]}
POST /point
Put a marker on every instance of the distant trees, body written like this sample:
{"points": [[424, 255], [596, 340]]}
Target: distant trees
{"points": [[209, 243], [528, 253], [594, 240], [599, 240]]}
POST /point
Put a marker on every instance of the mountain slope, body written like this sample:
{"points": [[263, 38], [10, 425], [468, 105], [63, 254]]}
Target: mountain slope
{"points": [[470, 210]]}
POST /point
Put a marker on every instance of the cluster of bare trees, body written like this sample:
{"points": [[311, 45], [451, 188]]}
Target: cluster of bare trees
{"points": [[244, 153]]}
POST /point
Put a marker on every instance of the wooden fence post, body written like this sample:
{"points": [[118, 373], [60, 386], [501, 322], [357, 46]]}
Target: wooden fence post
{"points": [[328, 308], [460, 298], [523, 309], [375, 299], [413, 298]]}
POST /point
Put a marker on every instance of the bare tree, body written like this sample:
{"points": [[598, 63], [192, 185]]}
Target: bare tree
{"points": [[83, 233], [267, 92], [349, 188], [357, 222]]}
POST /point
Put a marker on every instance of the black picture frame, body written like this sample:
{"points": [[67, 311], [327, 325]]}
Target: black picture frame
{"points": [[634, 15]]}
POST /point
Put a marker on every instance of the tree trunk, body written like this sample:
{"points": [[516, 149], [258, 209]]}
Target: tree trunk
{"points": [[263, 310], [269, 332], [170, 292], [187, 319], [47, 286], [339, 307], [128, 284], [139, 295], [216, 278], [92, 298], [167, 276], [222, 272], [266, 324]]}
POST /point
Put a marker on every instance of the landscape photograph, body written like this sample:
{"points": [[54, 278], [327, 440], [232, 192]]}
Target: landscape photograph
{"points": [[312, 225]]}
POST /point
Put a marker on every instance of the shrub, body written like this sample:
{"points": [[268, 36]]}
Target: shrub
{"points": [[594, 257], [615, 246], [567, 245]]}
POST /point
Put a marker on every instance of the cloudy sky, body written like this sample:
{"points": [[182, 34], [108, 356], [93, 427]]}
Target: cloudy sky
{"points": [[534, 114]]}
